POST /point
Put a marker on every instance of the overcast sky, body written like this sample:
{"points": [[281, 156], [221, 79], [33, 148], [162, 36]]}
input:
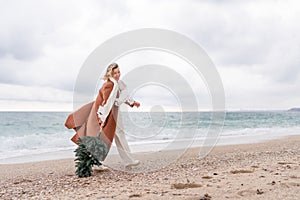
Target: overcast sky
{"points": [[255, 46]]}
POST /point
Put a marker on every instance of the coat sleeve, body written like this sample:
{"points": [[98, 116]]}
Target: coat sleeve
{"points": [[105, 92], [124, 96]]}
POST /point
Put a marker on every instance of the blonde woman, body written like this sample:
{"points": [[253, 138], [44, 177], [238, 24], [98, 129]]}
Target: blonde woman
{"points": [[103, 113]]}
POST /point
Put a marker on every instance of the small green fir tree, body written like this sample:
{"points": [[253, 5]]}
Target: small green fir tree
{"points": [[90, 151], [84, 161]]}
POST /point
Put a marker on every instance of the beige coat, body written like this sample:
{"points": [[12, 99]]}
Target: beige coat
{"points": [[85, 120]]}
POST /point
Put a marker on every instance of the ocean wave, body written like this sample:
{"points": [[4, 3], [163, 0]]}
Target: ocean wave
{"points": [[35, 143], [11, 146], [274, 131]]}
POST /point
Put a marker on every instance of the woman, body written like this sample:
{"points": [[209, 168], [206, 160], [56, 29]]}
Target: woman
{"points": [[103, 114]]}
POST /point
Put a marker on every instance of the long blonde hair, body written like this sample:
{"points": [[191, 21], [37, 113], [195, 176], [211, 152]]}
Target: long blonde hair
{"points": [[109, 71]]}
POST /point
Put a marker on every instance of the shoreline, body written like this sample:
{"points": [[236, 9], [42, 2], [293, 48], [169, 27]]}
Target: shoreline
{"points": [[266, 170], [145, 147]]}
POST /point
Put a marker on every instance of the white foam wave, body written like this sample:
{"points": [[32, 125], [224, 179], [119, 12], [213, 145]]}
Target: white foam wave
{"points": [[272, 131], [12, 146], [34, 143]]}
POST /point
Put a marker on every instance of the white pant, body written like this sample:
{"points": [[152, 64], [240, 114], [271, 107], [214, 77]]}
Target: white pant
{"points": [[121, 143]]}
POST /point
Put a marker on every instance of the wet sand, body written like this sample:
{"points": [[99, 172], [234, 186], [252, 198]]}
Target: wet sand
{"points": [[268, 170]]}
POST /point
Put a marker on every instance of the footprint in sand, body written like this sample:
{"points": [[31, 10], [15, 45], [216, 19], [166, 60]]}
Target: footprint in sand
{"points": [[241, 171], [185, 185], [249, 192], [290, 184], [285, 163]]}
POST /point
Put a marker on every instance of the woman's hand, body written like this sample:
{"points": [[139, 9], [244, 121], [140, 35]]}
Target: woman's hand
{"points": [[136, 104], [103, 103], [101, 123]]}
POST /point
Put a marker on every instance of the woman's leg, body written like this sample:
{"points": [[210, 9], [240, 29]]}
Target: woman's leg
{"points": [[122, 145]]}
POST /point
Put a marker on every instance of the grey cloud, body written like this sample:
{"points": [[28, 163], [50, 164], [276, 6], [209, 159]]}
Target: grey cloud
{"points": [[235, 33], [289, 73], [28, 75], [26, 32], [283, 62], [27, 26], [21, 47], [19, 37]]}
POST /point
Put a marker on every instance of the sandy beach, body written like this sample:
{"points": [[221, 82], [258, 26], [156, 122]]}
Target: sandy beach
{"points": [[268, 170]]}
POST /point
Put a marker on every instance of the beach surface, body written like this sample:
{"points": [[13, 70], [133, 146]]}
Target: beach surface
{"points": [[267, 170]]}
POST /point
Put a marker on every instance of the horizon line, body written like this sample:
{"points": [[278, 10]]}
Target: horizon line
{"points": [[226, 110]]}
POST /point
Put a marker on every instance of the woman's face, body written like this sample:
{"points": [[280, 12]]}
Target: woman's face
{"points": [[116, 74]]}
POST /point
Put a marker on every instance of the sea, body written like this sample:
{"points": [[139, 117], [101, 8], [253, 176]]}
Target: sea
{"points": [[37, 136]]}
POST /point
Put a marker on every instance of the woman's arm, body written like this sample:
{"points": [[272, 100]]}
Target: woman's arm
{"points": [[124, 97]]}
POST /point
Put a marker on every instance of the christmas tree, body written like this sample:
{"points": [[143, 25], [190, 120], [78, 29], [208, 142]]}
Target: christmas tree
{"points": [[90, 151]]}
